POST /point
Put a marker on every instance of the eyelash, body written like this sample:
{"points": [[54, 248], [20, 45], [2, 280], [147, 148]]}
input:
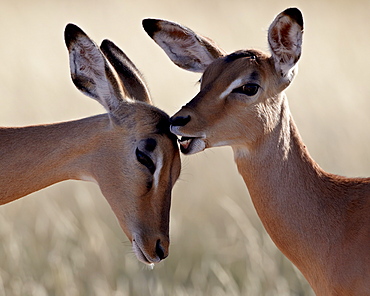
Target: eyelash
{"points": [[145, 160], [249, 89]]}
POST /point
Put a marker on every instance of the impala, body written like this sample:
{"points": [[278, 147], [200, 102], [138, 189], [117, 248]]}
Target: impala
{"points": [[320, 221], [129, 152]]}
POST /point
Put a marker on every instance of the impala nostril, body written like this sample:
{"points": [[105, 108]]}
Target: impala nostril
{"points": [[159, 250], [180, 120]]}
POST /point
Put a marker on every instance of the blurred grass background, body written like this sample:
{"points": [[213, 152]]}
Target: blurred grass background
{"points": [[64, 240]]}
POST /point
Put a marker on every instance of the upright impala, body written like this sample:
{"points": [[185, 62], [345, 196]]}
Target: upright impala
{"points": [[320, 221], [129, 152]]}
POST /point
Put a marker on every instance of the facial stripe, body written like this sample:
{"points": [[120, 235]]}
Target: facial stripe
{"points": [[236, 83], [158, 170]]}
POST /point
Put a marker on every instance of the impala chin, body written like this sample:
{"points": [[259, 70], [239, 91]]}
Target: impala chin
{"points": [[192, 145]]}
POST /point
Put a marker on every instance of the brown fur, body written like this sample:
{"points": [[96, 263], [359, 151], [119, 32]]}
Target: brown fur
{"points": [[320, 221], [102, 148]]}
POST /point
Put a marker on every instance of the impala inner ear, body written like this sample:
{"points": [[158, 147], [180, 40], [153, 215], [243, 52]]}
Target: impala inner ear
{"points": [[184, 47], [285, 40], [90, 70]]}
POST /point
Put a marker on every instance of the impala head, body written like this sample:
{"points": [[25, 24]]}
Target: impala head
{"points": [[240, 92], [137, 162]]}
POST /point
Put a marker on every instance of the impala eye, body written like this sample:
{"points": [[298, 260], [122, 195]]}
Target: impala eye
{"points": [[145, 160], [249, 89]]}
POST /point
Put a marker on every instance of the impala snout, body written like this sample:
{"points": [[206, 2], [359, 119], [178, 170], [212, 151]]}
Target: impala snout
{"points": [[179, 124], [150, 250], [188, 120], [192, 140], [180, 120]]}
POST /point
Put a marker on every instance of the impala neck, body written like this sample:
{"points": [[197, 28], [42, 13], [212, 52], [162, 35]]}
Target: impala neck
{"points": [[34, 157], [284, 183]]}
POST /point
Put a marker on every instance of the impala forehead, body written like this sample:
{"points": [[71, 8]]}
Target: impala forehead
{"points": [[234, 70], [142, 116]]}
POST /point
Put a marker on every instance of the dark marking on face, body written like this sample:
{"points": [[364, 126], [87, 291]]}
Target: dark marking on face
{"points": [[163, 128], [239, 54], [150, 144], [254, 76]]}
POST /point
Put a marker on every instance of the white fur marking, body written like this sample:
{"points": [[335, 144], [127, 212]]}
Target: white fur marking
{"points": [[158, 171], [241, 152], [236, 83], [88, 179]]}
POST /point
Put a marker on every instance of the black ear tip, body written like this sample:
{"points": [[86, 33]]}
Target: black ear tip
{"points": [[295, 14], [71, 32], [151, 26], [107, 43], [109, 49]]}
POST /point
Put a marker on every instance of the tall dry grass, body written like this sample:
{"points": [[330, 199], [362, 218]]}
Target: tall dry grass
{"points": [[64, 240]]}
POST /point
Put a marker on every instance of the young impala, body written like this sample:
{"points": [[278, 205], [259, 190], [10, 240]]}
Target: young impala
{"points": [[320, 221], [129, 152]]}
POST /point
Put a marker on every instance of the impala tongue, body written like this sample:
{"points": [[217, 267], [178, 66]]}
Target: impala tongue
{"points": [[185, 142]]}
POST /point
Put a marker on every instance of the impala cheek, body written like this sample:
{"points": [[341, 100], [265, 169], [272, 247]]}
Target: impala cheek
{"points": [[199, 145], [220, 144]]}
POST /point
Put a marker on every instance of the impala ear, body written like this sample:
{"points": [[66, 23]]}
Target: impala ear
{"points": [[285, 40], [184, 47], [90, 70], [131, 78]]}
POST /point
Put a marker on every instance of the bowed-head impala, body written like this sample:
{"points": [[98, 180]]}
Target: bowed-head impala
{"points": [[129, 152], [320, 221]]}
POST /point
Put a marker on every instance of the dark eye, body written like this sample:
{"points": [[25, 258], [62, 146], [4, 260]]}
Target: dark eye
{"points": [[249, 89], [145, 160]]}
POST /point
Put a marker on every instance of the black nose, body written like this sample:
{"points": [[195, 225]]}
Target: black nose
{"points": [[180, 120], [159, 250]]}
